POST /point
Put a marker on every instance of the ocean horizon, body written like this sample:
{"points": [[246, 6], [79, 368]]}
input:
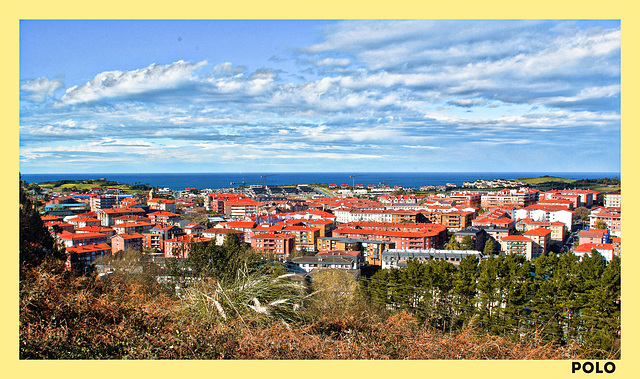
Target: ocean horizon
{"points": [[180, 181]]}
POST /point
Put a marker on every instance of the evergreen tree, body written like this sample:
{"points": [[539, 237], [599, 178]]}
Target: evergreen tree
{"points": [[36, 244], [452, 244], [488, 247], [467, 243]]}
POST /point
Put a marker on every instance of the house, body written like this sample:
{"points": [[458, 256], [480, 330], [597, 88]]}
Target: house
{"points": [[613, 200], [158, 234], [605, 249], [67, 239], [165, 205], [478, 236], [194, 228], [180, 246], [279, 245], [107, 216], [593, 236], [541, 238], [86, 254], [520, 245], [395, 258], [611, 217], [127, 241], [318, 262], [163, 217], [219, 235]]}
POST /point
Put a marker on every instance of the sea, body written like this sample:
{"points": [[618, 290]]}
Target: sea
{"points": [[180, 181]]}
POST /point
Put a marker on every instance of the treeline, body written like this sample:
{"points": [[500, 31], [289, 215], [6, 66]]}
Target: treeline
{"points": [[564, 299], [580, 184]]}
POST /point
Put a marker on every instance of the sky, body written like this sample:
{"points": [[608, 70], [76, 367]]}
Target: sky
{"points": [[319, 96]]}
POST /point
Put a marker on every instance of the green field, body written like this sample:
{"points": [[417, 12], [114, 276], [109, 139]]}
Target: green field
{"points": [[544, 179], [551, 182], [81, 185]]}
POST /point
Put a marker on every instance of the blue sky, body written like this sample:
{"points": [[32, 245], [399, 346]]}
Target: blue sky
{"points": [[408, 95]]}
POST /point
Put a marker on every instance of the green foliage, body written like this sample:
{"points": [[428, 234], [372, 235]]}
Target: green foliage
{"points": [[559, 298], [467, 243], [600, 225], [36, 244], [452, 244], [489, 247]]}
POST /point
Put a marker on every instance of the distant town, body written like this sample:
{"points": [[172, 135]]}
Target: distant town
{"points": [[316, 227]]}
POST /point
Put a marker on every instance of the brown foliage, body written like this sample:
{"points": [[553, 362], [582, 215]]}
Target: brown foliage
{"points": [[65, 317]]}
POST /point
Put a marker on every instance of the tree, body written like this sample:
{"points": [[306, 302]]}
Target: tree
{"points": [[36, 244], [488, 247], [600, 225], [467, 243], [582, 213], [452, 244]]}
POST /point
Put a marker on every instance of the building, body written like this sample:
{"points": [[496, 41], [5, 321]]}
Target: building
{"points": [[67, 239], [522, 197], [558, 229], [396, 258], [158, 234], [605, 249], [319, 262], [107, 216], [478, 236], [127, 241], [164, 205], [86, 254], [239, 209], [163, 217], [103, 202], [219, 235], [541, 238], [613, 200], [593, 236], [180, 246], [519, 245], [611, 217], [271, 244]]}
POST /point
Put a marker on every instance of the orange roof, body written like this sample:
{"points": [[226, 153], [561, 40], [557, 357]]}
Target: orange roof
{"points": [[273, 236], [537, 232], [88, 248], [516, 238], [587, 247], [128, 236]]}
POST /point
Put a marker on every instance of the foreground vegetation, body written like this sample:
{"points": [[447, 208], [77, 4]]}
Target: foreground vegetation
{"points": [[128, 317]]}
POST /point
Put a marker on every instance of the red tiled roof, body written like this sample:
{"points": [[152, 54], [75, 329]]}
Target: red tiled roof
{"points": [[88, 248], [537, 232], [516, 238], [587, 247], [128, 236]]}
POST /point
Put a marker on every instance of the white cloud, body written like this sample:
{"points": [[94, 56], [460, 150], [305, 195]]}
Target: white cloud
{"points": [[333, 62], [40, 88], [126, 83]]}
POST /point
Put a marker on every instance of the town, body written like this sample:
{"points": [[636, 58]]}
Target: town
{"points": [[337, 226]]}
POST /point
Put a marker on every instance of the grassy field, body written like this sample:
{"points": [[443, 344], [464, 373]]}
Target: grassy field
{"points": [[81, 185], [544, 179]]}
